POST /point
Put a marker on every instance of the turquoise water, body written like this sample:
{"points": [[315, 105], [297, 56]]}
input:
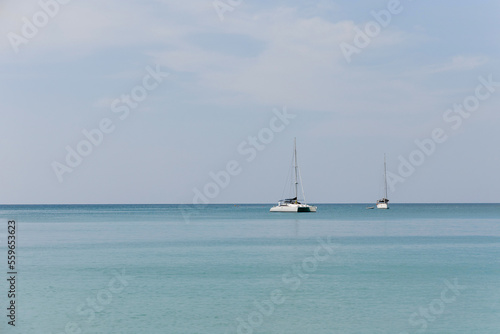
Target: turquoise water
{"points": [[416, 268]]}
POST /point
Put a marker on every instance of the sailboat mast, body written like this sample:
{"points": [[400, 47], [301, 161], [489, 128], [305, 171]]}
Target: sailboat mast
{"points": [[295, 163], [385, 176]]}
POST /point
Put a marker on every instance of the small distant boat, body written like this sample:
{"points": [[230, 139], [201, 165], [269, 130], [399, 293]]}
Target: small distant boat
{"points": [[370, 207], [292, 204], [384, 202]]}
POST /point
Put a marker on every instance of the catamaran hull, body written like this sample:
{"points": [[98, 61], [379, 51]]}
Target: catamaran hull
{"points": [[382, 206], [293, 208]]}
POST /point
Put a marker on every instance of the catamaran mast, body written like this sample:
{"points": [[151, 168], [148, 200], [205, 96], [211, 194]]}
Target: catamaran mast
{"points": [[385, 177], [295, 162]]}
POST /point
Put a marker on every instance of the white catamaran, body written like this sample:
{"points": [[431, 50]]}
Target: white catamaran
{"points": [[384, 202], [292, 204]]}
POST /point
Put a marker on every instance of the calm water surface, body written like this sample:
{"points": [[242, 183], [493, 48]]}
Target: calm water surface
{"points": [[416, 268]]}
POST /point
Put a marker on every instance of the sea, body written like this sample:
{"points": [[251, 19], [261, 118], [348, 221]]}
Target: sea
{"points": [[238, 268]]}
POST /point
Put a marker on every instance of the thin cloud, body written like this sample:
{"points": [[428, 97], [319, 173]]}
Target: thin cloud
{"points": [[459, 63]]}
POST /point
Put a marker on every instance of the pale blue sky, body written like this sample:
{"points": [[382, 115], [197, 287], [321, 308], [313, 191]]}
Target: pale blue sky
{"points": [[226, 78]]}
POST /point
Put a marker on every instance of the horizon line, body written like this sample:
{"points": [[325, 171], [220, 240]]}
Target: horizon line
{"points": [[236, 203]]}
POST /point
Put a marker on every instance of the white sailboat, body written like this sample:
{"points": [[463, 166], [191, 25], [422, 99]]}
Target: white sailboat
{"points": [[292, 204], [384, 202]]}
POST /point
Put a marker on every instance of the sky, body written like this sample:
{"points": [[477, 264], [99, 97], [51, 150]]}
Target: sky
{"points": [[162, 101]]}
